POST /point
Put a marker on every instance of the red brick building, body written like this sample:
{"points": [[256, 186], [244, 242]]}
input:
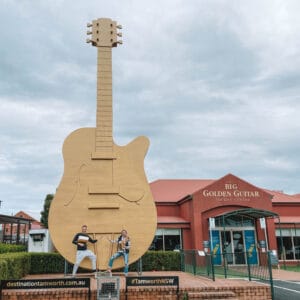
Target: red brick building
{"points": [[229, 213], [16, 228]]}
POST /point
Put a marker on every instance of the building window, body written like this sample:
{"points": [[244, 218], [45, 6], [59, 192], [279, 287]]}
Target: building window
{"points": [[288, 243], [166, 240], [234, 221]]}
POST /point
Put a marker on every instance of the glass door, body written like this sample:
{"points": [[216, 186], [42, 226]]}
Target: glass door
{"points": [[227, 246], [238, 247], [233, 247]]}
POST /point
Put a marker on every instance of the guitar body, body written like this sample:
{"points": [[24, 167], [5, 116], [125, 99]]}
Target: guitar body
{"points": [[106, 194]]}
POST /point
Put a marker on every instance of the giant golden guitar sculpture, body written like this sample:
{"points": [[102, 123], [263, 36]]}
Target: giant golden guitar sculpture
{"points": [[104, 185]]}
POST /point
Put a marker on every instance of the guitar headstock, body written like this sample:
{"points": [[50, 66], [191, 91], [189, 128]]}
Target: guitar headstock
{"points": [[104, 33]]}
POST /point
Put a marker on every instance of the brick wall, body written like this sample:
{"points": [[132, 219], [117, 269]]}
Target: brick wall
{"points": [[135, 293]]}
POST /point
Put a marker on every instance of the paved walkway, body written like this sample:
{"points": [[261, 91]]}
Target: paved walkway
{"points": [[286, 275], [186, 280]]}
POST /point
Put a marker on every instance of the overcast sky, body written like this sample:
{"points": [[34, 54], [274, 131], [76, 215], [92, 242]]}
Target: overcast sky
{"points": [[215, 85]]}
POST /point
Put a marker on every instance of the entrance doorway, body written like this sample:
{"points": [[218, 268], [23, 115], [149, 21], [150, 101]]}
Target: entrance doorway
{"points": [[234, 239], [234, 246]]}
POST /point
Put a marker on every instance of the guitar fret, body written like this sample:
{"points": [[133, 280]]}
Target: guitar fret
{"points": [[104, 74], [106, 120], [104, 134], [105, 109], [104, 67], [104, 90], [103, 144], [105, 80], [104, 87], [103, 138]]}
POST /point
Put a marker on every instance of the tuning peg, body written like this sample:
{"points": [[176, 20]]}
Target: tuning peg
{"points": [[89, 24], [89, 32], [119, 34], [120, 42], [88, 40], [119, 26]]}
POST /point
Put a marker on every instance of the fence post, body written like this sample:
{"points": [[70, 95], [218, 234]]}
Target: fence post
{"points": [[225, 263], [212, 267], [194, 262], [248, 266], [140, 266], [208, 264], [182, 262], [66, 268], [271, 275]]}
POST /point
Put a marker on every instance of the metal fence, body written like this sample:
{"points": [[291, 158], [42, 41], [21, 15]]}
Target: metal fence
{"points": [[198, 263], [194, 262], [204, 264]]}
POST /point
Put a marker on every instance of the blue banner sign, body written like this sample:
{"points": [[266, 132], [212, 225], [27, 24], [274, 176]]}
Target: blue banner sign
{"points": [[216, 247], [250, 246]]}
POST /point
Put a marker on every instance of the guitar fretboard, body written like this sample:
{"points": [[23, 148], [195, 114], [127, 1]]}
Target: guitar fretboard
{"points": [[104, 118]]}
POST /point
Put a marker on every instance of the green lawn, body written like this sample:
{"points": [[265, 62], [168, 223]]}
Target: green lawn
{"points": [[291, 268]]}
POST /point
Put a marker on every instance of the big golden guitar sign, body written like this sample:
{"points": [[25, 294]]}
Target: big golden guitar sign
{"points": [[231, 192], [104, 185]]}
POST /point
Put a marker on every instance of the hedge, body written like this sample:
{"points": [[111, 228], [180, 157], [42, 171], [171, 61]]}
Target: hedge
{"points": [[159, 261], [5, 248], [42, 263], [45, 263], [17, 265], [14, 265]]}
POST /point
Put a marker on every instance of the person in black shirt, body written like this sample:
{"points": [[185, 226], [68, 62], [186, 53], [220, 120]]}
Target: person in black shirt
{"points": [[80, 240]]}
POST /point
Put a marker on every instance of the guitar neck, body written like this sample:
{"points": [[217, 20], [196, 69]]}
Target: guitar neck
{"points": [[104, 118]]}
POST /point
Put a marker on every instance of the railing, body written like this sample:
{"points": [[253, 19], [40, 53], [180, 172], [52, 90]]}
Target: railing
{"points": [[204, 264], [194, 262]]}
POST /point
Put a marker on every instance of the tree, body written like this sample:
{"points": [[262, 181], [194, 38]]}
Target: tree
{"points": [[45, 212]]}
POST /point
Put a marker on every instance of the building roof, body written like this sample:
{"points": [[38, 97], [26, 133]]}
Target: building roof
{"points": [[279, 196], [285, 219], [23, 214], [4, 219], [174, 190]]}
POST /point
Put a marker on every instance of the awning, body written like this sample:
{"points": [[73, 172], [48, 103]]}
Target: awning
{"points": [[251, 213], [171, 220], [13, 220]]}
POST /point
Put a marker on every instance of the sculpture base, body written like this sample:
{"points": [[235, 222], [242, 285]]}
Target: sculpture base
{"points": [[196, 287]]}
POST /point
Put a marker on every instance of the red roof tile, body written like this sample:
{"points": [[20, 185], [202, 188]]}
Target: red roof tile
{"points": [[173, 190], [282, 197], [284, 219]]}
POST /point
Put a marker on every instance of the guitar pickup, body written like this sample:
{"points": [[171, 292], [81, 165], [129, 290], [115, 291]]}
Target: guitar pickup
{"points": [[103, 189], [98, 204], [102, 155]]}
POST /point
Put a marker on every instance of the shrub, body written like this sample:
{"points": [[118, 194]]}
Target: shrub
{"points": [[5, 248], [14, 265], [159, 261], [42, 263], [17, 265]]}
